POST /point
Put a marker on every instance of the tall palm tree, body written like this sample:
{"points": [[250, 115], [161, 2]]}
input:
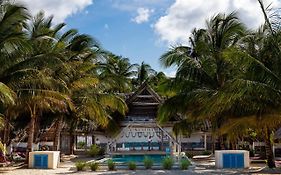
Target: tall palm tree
{"points": [[12, 39], [12, 43], [201, 70], [255, 91], [144, 73], [118, 72]]}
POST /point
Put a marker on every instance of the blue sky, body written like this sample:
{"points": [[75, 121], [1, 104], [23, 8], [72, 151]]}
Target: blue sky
{"points": [[114, 28], [143, 30]]}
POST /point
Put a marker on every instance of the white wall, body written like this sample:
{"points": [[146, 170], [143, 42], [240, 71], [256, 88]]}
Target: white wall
{"points": [[138, 134], [102, 138], [141, 134], [194, 137]]}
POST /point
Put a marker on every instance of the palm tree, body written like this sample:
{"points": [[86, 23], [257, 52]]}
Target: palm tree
{"points": [[12, 19], [144, 73], [255, 89], [118, 72], [12, 42], [201, 70]]}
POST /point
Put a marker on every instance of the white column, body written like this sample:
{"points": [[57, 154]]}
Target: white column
{"points": [[205, 141], [273, 149]]}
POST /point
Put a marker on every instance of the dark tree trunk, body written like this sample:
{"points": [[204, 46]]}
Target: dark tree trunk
{"points": [[221, 142], [213, 143], [268, 149], [233, 145], [7, 128], [30, 135], [58, 133], [72, 143], [72, 136]]}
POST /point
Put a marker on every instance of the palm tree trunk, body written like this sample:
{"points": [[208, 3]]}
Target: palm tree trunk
{"points": [[72, 143], [31, 130], [72, 136], [221, 142], [268, 149], [57, 134], [7, 129]]}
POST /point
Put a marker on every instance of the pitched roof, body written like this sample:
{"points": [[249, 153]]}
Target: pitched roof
{"points": [[141, 90]]}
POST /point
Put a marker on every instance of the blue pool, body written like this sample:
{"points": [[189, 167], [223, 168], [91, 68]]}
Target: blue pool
{"points": [[137, 158]]}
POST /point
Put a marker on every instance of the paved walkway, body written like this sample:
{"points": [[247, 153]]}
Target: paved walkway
{"points": [[68, 168], [201, 168], [124, 172]]}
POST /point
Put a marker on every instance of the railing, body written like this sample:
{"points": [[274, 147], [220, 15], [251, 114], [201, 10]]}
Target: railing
{"points": [[174, 140], [151, 124]]}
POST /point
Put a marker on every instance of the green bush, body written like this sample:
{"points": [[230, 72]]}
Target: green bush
{"points": [[94, 150], [148, 162], [81, 145], [167, 163], [111, 165], [207, 152], [132, 166], [184, 164], [189, 154], [102, 151], [94, 166], [80, 165]]}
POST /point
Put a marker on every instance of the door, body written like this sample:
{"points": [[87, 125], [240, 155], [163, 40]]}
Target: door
{"points": [[41, 161], [65, 144], [231, 160]]}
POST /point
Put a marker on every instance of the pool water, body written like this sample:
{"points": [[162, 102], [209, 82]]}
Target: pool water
{"points": [[137, 158]]}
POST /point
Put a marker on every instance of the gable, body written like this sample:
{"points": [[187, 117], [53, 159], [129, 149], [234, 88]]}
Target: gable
{"points": [[144, 102]]}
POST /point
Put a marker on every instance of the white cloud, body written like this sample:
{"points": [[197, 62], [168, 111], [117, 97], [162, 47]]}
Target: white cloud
{"points": [[143, 15], [133, 5], [61, 9], [184, 15], [171, 73], [106, 26]]}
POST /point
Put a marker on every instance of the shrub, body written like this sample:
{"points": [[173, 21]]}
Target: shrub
{"points": [[132, 166], [111, 165], [94, 166], [148, 162], [207, 152], [184, 164], [102, 151], [81, 145], [167, 163], [94, 150], [80, 165], [189, 154]]}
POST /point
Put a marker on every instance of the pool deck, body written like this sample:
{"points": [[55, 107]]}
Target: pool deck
{"points": [[200, 168], [68, 169], [152, 152]]}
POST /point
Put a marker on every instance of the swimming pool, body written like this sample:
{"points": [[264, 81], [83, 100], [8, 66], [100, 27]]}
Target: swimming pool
{"points": [[137, 158]]}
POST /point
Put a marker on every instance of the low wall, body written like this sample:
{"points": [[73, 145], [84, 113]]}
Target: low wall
{"points": [[53, 159], [233, 159]]}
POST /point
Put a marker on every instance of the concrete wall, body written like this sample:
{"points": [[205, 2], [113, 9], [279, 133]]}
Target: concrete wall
{"points": [[53, 158], [139, 134], [219, 157]]}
